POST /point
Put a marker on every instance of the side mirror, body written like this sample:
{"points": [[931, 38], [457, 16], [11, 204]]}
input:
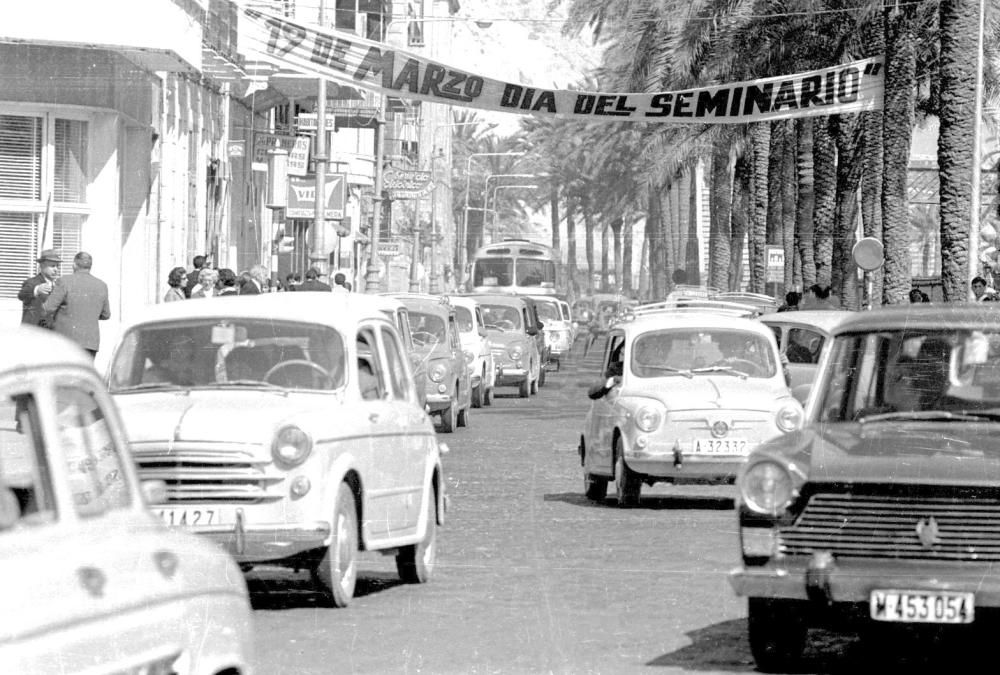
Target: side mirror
{"points": [[600, 389], [614, 369], [541, 325], [532, 331], [154, 492], [482, 332]]}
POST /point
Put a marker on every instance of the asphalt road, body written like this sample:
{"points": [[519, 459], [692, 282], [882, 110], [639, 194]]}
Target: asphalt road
{"points": [[533, 578]]}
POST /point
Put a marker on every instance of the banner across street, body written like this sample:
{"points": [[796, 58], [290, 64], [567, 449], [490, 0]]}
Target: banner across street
{"points": [[339, 56]]}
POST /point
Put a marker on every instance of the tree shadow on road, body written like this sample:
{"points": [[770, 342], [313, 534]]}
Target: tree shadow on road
{"points": [[650, 503], [297, 591]]}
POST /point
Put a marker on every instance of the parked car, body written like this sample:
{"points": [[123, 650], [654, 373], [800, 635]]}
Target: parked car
{"points": [[684, 396], [512, 341], [882, 509], [557, 328], [92, 582], [532, 318], [434, 328], [399, 315], [476, 348], [287, 429], [801, 336]]}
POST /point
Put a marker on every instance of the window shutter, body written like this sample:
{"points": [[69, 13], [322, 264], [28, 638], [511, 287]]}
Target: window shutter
{"points": [[66, 236], [19, 235], [70, 171], [20, 157]]}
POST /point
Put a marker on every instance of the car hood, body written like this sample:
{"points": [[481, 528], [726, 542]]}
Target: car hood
{"points": [[905, 453], [215, 415], [505, 339], [712, 392]]}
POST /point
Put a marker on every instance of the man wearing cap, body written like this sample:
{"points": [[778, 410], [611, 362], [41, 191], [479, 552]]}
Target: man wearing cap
{"points": [[36, 289], [78, 302]]}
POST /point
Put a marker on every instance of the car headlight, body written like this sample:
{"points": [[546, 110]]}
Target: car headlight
{"points": [[469, 357], [291, 446], [515, 352], [437, 372], [789, 417], [767, 488], [648, 418]]}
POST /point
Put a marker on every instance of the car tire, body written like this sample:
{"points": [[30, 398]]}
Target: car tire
{"points": [[337, 572], [628, 484], [524, 388], [449, 419], [541, 376], [777, 633], [415, 563], [477, 395], [594, 487], [463, 417], [534, 386], [488, 397]]}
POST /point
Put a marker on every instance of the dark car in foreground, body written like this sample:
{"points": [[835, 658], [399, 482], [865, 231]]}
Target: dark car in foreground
{"points": [[885, 508]]}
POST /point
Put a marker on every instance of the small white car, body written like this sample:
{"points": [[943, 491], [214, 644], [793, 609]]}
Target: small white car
{"points": [[476, 348], [91, 580], [557, 327], [685, 395], [288, 430]]}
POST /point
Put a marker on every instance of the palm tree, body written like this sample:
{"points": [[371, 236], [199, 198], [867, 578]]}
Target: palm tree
{"points": [[824, 197], [846, 130], [760, 144], [721, 192], [804, 201]]}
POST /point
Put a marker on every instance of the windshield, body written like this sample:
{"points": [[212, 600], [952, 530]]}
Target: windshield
{"points": [[536, 273], [548, 311], [912, 374], [702, 351], [427, 328], [464, 317], [213, 352], [492, 272], [501, 316]]}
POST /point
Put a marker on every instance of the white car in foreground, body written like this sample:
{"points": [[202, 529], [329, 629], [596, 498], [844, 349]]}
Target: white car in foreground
{"points": [[91, 581]]}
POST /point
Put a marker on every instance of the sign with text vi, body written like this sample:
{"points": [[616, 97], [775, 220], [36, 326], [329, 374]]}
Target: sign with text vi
{"points": [[302, 196]]}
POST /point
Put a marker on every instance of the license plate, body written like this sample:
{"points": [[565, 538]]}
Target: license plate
{"points": [[922, 607], [720, 446], [190, 517]]}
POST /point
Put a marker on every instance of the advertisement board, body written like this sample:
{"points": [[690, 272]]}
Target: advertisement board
{"points": [[302, 196]]}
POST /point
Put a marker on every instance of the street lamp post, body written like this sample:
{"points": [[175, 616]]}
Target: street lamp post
{"points": [[462, 243], [486, 183], [496, 211]]}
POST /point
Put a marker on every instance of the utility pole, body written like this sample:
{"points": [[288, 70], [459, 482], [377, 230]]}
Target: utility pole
{"points": [[371, 274], [317, 240]]}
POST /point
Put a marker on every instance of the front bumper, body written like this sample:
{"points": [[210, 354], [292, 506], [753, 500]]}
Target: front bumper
{"points": [[511, 376], [852, 581], [438, 402], [261, 542]]}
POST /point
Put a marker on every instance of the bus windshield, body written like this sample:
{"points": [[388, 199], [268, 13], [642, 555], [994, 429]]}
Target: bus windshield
{"points": [[493, 272], [536, 273]]}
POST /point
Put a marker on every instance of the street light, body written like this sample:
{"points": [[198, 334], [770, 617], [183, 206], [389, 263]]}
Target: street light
{"points": [[496, 211], [486, 183], [463, 244]]}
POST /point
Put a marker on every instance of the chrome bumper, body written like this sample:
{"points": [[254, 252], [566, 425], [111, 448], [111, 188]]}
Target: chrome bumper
{"points": [[267, 541]]}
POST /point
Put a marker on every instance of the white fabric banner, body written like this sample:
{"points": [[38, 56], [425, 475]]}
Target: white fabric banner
{"points": [[343, 57]]}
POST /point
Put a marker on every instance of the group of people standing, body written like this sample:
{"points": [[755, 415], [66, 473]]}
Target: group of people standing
{"points": [[208, 282], [71, 304]]}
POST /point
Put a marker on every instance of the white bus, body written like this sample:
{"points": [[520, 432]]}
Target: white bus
{"points": [[515, 266]]}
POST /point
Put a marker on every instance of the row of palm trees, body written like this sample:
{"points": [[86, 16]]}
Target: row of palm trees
{"points": [[798, 184]]}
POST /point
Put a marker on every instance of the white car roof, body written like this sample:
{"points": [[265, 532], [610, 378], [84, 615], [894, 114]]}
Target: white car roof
{"points": [[645, 323], [462, 301], [823, 319], [26, 347], [339, 310]]}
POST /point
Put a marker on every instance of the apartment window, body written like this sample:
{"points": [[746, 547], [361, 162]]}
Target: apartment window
{"points": [[43, 172], [415, 23]]}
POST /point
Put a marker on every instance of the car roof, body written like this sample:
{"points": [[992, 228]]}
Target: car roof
{"points": [[498, 299], [464, 301], [386, 302], [824, 319], [338, 310], [645, 323], [27, 347], [434, 304], [969, 316]]}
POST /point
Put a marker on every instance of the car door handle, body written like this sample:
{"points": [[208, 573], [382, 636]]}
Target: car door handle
{"points": [[373, 418], [166, 563], [92, 579]]}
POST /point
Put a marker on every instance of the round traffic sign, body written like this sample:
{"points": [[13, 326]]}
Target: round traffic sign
{"points": [[868, 254]]}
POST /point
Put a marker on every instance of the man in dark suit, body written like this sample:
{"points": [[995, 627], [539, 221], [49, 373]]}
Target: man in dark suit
{"points": [[312, 282], [77, 303], [36, 289], [192, 277]]}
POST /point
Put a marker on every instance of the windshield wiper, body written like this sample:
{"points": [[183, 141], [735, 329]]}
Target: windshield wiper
{"points": [[722, 369], [151, 385], [250, 383], [930, 416], [668, 369]]}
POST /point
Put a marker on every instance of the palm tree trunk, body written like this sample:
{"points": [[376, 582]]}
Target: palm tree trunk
{"points": [[692, 253], [793, 271], [616, 233], [657, 245], [626, 267], [605, 254], [775, 204], [554, 214], [843, 275], [742, 211], [588, 222], [760, 137], [959, 34], [873, 36], [571, 247], [825, 197], [898, 117], [644, 260], [804, 201], [721, 191]]}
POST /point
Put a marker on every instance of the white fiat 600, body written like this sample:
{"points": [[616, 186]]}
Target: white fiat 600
{"points": [[287, 429], [686, 393], [91, 581]]}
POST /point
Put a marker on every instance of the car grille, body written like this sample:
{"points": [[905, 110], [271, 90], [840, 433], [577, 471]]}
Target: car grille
{"points": [[201, 475], [860, 526]]}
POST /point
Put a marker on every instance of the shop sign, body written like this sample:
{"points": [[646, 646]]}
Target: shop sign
{"points": [[302, 196]]}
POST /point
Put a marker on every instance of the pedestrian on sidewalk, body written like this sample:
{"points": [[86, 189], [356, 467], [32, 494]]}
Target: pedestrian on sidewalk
{"points": [[77, 302], [176, 280], [312, 282], [192, 278], [36, 289]]}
